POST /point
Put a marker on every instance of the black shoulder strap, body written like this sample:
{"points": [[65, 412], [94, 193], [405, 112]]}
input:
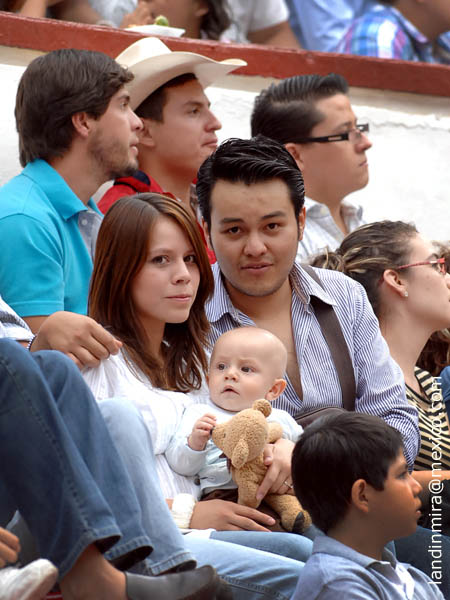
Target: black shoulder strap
{"points": [[334, 337]]}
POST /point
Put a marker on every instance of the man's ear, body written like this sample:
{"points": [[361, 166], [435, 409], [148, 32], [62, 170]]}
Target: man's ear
{"points": [[394, 282], [276, 390], [207, 234], [146, 135], [296, 151], [301, 222], [360, 495], [82, 123]]}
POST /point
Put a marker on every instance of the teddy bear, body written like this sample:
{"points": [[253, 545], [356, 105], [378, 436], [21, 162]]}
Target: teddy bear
{"points": [[242, 439]]}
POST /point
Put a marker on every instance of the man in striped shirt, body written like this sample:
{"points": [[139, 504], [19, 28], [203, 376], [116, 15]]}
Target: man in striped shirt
{"points": [[251, 197]]}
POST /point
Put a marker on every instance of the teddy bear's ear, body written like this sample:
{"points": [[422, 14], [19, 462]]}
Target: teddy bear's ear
{"points": [[240, 454], [218, 435], [263, 406]]}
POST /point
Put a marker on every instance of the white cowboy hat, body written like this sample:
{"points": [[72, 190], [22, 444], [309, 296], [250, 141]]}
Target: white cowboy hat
{"points": [[154, 64]]}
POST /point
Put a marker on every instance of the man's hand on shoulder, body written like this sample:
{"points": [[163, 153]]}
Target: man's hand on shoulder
{"points": [[80, 337]]}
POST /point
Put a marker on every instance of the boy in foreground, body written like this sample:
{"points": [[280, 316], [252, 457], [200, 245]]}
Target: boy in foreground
{"points": [[350, 473]]}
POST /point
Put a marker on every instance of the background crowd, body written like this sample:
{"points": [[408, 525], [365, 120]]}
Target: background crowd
{"points": [[398, 29]]}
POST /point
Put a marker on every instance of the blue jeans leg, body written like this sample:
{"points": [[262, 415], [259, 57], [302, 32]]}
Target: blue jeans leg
{"points": [[71, 482], [134, 443], [252, 574], [288, 545]]}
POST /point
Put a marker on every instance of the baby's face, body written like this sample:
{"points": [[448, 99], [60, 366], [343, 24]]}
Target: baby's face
{"points": [[241, 371]]}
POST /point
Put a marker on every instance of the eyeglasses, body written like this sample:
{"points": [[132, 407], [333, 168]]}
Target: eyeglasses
{"points": [[354, 136], [438, 264]]}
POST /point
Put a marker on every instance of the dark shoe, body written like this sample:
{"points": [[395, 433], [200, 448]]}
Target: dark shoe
{"points": [[198, 584], [223, 591]]}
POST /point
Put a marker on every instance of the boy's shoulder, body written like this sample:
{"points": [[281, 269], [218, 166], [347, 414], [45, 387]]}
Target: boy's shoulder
{"points": [[337, 571]]}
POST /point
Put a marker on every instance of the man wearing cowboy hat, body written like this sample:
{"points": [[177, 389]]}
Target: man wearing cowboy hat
{"points": [[178, 126]]}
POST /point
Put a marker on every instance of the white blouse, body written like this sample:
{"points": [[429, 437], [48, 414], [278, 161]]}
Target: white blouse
{"points": [[161, 410]]}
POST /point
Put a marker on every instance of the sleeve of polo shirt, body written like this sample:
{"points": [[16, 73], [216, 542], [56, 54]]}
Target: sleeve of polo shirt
{"points": [[31, 267], [380, 382]]}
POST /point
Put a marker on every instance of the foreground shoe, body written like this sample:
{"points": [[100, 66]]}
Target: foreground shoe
{"points": [[197, 584], [29, 583]]}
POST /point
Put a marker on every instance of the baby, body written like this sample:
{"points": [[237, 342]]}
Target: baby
{"points": [[246, 364]]}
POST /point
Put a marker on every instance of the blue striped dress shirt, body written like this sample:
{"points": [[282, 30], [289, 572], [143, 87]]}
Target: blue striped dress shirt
{"points": [[11, 325], [380, 387]]}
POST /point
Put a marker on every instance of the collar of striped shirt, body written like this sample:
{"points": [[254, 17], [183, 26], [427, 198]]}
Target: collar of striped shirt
{"points": [[303, 286]]}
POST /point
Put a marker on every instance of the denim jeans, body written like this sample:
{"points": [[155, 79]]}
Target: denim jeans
{"points": [[253, 563], [61, 470]]}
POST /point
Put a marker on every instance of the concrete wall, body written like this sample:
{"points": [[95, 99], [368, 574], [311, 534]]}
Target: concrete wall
{"points": [[409, 160]]}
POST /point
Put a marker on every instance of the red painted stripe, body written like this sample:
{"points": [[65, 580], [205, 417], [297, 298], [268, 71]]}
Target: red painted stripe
{"points": [[403, 76]]}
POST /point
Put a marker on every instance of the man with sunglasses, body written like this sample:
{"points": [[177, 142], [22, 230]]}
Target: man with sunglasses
{"points": [[312, 116]]}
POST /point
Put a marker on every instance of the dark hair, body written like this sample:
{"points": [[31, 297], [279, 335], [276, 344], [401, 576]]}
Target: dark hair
{"points": [[56, 86], [152, 107], [249, 161], [334, 452], [216, 20], [367, 252], [435, 355], [287, 111], [120, 254]]}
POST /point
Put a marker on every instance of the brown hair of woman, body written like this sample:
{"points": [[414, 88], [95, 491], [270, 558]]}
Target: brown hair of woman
{"points": [[121, 252]]}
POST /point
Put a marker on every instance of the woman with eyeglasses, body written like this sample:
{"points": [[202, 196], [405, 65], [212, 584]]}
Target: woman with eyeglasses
{"points": [[409, 288]]}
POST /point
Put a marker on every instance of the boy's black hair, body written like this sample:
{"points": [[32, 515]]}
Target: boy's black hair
{"points": [[332, 454], [256, 160]]}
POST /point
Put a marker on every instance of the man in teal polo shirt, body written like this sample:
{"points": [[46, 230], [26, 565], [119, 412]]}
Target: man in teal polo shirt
{"points": [[76, 131]]}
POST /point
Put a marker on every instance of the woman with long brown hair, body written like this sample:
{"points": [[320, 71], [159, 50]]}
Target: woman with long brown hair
{"points": [[164, 341], [150, 282]]}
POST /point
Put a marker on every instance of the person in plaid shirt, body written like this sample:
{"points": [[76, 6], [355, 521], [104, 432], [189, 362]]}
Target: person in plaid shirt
{"points": [[402, 29]]}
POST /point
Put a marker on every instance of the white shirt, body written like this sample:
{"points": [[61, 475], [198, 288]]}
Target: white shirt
{"points": [[210, 464], [246, 15], [252, 15], [321, 231], [161, 410], [113, 10]]}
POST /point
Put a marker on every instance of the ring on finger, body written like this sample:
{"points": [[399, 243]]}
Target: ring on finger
{"points": [[288, 484]]}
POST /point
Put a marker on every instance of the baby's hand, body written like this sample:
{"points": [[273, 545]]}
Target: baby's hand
{"points": [[201, 432], [9, 547]]}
